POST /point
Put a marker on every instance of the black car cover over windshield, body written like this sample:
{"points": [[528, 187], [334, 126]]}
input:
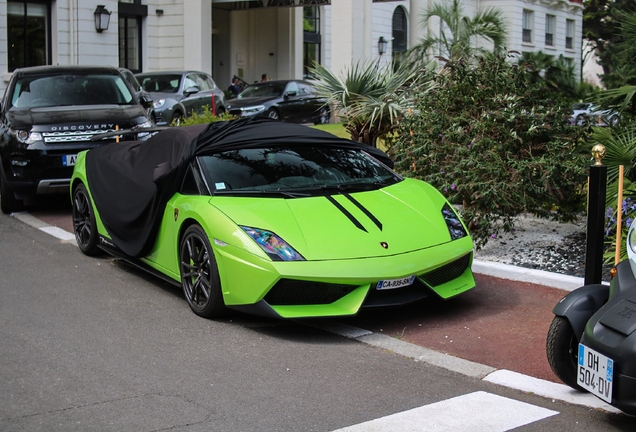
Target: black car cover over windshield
{"points": [[131, 181]]}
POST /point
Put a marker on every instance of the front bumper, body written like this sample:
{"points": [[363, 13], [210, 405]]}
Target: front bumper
{"points": [[612, 331], [342, 287]]}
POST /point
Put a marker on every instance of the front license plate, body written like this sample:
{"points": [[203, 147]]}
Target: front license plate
{"points": [[596, 373], [395, 283], [68, 160]]}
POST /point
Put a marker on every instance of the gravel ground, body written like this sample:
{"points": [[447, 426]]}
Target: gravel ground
{"points": [[543, 245]]}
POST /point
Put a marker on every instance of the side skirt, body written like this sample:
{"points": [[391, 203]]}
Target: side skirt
{"points": [[106, 245]]}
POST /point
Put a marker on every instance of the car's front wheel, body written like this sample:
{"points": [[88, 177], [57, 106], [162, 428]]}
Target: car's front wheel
{"points": [[323, 116], [273, 114], [562, 347], [84, 223], [8, 202], [199, 274]]}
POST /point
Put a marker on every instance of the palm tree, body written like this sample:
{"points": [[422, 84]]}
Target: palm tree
{"points": [[370, 99], [459, 34]]}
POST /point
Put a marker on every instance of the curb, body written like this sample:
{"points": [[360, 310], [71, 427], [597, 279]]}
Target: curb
{"points": [[468, 368]]}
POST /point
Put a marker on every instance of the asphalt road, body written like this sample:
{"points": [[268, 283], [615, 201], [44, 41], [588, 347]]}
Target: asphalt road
{"points": [[94, 345]]}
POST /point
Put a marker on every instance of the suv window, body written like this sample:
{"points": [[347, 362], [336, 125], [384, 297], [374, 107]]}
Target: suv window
{"points": [[69, 90]]}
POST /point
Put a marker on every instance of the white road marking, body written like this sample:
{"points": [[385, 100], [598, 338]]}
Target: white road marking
{"points": [[475, 412], [547, 389], [58, 232]]}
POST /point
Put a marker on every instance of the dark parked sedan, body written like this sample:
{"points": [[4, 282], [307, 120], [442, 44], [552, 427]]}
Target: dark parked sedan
{"points": [[291, 101], [176, 94]]}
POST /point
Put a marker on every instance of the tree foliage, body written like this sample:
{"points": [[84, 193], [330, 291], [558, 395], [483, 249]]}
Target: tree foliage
{"points": [[459, 35], [370, 99], [495, 143], [602, 28]]}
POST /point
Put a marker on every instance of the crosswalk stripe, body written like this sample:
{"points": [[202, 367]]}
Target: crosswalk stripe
{"points": [[477, 412]]}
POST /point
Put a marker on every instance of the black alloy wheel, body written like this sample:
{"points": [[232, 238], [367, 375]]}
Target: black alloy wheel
{"points": [[84, 222], [273, 114], [562, 347], [323, 116], [199, 274]]}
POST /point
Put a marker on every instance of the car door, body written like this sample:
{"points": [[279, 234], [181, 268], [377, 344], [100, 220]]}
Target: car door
{"points": [[290, 106], [207, 85], [193, 100], [310, 103]]}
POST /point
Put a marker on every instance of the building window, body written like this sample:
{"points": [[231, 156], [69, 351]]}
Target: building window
{"points": [[569, 34], [311, 39], [399, 34], [28, 34], [550, 25], [528, 23], [131, 14]]}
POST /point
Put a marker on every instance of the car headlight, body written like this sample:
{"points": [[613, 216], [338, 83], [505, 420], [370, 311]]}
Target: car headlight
{"points": [[275, 247], [159, 103], [631, 240], [26, 137], [455, 226], [248, 111], [145, 124]]}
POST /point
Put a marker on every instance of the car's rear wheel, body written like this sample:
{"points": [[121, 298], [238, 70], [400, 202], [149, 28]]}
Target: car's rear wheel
{"points": [[199, 274], [562, 347], [177, 118], [8, 202], [273, 114], [84, 223], [323, 116]]}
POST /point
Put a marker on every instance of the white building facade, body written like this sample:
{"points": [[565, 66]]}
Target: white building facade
{"points": [[249, 38]]}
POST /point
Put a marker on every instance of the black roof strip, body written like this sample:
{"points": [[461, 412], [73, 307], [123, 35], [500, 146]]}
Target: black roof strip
{"points": [[344, 211]]}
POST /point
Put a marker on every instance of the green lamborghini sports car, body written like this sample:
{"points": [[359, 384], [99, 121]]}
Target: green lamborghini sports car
{"points": [[270, 218]]}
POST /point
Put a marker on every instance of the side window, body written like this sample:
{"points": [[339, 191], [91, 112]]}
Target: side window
{"points": [[190, 81], [305, 90], [292, 86], [206, 82]]}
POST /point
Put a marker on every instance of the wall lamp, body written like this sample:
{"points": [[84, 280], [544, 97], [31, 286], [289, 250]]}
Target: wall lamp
{"points": [[382, 43], [102, 18]]}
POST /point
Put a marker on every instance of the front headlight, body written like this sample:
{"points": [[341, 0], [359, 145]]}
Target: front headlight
{"points": [[454, 224], [631, 240], [145, 124], [159, 103], [275, 247], [248, 111], [26, 137]]}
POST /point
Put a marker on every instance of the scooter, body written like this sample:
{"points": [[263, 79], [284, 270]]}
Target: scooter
{"points": [[591, 343]]}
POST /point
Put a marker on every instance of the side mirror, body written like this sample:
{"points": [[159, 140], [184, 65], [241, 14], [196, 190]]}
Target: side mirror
{"points": [[145, 101], [290, 93], [191, 90]]}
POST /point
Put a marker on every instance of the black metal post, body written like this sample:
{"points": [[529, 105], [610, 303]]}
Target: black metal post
{"points": [[595, 224]]}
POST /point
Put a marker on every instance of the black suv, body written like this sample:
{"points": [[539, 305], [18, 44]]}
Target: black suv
{"points": [[48, 114]]}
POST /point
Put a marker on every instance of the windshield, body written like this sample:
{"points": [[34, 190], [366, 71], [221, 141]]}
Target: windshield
{"points": [[69, 90], [294, 168], [160, 83], [263, 90]]}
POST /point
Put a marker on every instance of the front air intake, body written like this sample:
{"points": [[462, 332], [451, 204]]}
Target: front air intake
{"points": [[289, 292], [447, 272]]}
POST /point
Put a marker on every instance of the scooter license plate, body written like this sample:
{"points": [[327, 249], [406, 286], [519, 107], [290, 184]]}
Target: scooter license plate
{"points": [[595, 373]]}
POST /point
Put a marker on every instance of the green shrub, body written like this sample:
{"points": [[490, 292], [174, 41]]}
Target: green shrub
{"points": [[496, 144], [203, 118]]}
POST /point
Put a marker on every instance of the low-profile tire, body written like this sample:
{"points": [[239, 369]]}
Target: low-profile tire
{"points": [[199, 274], [581, 120], [177, 118], [562, 348], [84, 223], [323, 116], [273, 114], [8, 202]]}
